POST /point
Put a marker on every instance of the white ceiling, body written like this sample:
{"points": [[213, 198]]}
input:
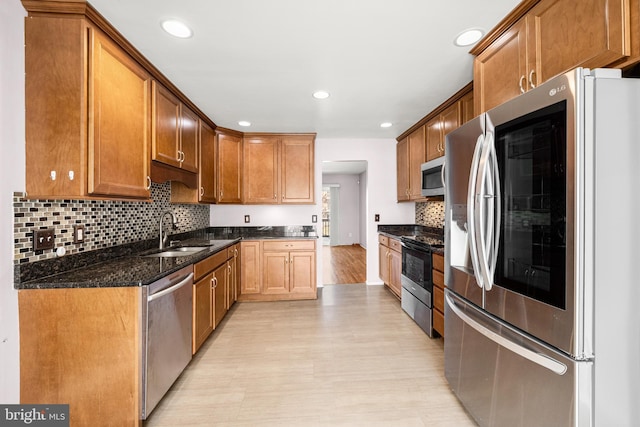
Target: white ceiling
{"points": [[258, 60]]}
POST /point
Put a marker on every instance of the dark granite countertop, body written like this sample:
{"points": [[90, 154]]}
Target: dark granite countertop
{"points": [[397, 231], [126, 265]]}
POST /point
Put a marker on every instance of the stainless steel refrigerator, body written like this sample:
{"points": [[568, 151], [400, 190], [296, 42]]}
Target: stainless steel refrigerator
{"points": [[542, 249]]}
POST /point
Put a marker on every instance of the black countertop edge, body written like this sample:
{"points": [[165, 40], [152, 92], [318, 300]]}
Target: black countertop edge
{"points": [[96, 268], [399, 230]]}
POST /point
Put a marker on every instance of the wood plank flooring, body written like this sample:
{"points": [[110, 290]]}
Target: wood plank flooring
{"points": [[344, 264], [350, 358]]}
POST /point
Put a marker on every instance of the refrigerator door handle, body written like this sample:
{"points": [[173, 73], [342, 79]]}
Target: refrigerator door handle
{"points": [[483, 216], [535, 357], [471, 207]]}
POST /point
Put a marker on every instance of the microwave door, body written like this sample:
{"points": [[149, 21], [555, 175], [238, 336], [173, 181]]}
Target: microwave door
{"points": [[459, 153]]}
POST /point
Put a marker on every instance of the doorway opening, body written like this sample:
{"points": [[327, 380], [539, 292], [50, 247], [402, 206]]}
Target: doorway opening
{"points": [[344, 207]]}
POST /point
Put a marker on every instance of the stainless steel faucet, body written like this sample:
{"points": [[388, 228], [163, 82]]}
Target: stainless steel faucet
{"points": [[173, 222]]}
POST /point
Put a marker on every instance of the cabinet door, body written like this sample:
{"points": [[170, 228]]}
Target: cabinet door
{"points": [[119, 91], [434, 138], [250, 268], [275, 273], [219, 294], [466, 104], [500, 71], [202, 310], [395, 271], [383, 262], [302, 272], [451, 118], [206, 170], [189, 139], [563, 35], [165, 126], [402, 169], [261, 174], [417, 156], [297, 169], [229, 168]]}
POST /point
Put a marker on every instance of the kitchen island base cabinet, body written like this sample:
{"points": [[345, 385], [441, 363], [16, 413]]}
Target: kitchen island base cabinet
{"points": [[275, 270], [82, 347]]}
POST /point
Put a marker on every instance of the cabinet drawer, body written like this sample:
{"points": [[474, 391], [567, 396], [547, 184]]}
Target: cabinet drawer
{"points": [[395, 245], [438, 322], [438, 262], [438, 279], [206, 265], [438, 299], [231, 250], [383, 240], [289, 245]]}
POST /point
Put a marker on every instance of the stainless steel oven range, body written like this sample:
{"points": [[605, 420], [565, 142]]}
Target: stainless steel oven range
{"points": [[417, 286]]}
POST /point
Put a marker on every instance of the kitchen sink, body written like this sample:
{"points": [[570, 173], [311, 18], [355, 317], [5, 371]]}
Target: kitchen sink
{"points": [[175, 252]]}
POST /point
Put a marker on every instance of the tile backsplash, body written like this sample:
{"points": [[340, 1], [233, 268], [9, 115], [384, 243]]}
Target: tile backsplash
{"points": [[430, 214], [106, 222]]}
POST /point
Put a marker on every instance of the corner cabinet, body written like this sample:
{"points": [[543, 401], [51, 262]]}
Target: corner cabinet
{"points": [[87, 113], [277, 269], [279, 168], [547, 39]]}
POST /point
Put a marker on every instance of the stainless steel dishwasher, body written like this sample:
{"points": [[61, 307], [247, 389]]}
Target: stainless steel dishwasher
{"points": [[166, 329]]}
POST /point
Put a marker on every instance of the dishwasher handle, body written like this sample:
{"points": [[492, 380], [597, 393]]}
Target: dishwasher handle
{"points": [[171, 289]]}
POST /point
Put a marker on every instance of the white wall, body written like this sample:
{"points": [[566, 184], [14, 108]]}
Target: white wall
{"points": [[363, 209], [12, 176], [348, 215]]}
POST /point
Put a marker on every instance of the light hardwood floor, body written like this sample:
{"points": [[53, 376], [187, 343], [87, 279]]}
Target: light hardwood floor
{"points": [[350, 358], [344, 264]]}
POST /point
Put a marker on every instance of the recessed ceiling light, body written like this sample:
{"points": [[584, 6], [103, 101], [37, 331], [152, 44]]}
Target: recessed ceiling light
{"points": [[321, 94], [177, 28], [244, 123], [386, 125], [468, 37]]}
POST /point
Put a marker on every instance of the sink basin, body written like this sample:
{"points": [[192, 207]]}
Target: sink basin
{"points": [[174, 252]]}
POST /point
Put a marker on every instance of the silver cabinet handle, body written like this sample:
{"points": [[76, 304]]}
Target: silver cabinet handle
{"points": [[201, 191], [531, 74], [215, 282], [148, 187], [522, 80]]}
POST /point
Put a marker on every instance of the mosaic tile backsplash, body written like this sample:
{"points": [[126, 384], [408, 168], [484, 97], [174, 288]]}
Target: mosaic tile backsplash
{"points": [[106, 223], [430, 214]]}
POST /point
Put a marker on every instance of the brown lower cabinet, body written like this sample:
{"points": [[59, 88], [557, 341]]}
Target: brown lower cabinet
{"points": [[214, 292], [276, 269], [438, 293], [390, 261]]}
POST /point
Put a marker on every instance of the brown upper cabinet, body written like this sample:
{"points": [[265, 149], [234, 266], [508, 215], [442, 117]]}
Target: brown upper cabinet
{"points": [[87, 113], [174, 130], [279, 168], [542, 39], [425, 141], [228, 174], [410, 155], [439, 126]]}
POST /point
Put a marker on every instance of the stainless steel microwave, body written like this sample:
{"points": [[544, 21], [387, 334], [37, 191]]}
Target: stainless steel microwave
{"points": [[433, 177]]}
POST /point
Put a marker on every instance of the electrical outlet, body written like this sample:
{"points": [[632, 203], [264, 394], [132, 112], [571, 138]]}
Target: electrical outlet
{"points": [[78, 233], [377, 218], [247, 219], [314, 218], [43, 239]]}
